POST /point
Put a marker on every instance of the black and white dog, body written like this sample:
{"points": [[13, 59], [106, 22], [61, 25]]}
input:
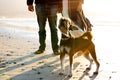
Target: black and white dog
{"points": [[81, 45]]}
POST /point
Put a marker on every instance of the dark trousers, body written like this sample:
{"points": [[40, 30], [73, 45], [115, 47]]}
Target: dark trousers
{"points": [[43, 13]]}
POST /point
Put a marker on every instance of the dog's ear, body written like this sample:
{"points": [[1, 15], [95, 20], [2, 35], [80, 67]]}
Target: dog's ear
{"points": [[73, 27]]}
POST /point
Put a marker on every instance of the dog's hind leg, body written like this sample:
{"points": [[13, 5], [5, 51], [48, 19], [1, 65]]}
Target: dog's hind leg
{"points": [[62, 55], [87, 56], [93, 54]]}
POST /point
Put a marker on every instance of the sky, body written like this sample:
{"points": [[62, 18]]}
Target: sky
{"points": [[103, 7], [14, 8], [104, 10], [98, 8]]}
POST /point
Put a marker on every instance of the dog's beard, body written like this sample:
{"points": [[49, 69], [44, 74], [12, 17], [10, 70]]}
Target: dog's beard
{"points": [[65, 32]]}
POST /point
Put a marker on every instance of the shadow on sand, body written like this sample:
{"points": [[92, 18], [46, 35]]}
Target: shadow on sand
{"points": [[44, 67]]}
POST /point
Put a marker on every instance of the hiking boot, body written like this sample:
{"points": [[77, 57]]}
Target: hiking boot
{"points": [[39, 52]]}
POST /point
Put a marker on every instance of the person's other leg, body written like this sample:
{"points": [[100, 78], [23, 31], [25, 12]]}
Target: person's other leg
{"points": [[52, 18], [41, 19]]}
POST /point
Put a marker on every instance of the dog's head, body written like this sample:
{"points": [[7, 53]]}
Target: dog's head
{"points": [[65, 25]]}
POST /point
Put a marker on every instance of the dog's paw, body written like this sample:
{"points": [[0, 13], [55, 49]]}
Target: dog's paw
{"points": [[88, 69], [61, 73], [70, 75], [95, 73], [86, 72]]}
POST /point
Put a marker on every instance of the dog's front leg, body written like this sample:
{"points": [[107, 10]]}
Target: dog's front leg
{"points": [[62, 55], [71, 61]]}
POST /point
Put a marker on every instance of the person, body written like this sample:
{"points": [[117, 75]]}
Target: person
{"points": [[76, 14], [46, 9]]}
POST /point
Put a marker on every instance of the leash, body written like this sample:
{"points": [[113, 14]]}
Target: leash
{"points": [[83, 19]]}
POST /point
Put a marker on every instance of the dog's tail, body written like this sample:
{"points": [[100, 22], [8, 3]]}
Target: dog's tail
{"points": [[88, 35]]}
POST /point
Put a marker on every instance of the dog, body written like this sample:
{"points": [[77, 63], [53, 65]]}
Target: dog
{"points": [[82, 45]]}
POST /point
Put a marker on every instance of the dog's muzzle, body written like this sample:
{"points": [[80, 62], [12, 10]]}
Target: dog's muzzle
{"points": [[64, 31]]}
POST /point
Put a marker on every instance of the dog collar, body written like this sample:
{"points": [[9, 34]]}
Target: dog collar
{"points": [[67, 37], [64, 39]]}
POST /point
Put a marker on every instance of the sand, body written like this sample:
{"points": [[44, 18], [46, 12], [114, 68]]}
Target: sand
{"points": [[19, 39]]}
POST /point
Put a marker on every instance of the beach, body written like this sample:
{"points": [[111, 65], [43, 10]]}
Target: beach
{"points": [[19, 40]]}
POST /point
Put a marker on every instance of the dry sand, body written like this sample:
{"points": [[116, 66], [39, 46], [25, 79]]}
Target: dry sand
{"points": [[19, 39]]}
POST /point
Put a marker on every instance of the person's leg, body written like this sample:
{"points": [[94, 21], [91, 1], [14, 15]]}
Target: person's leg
{"points": [[52, 18], [41, 19]]}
